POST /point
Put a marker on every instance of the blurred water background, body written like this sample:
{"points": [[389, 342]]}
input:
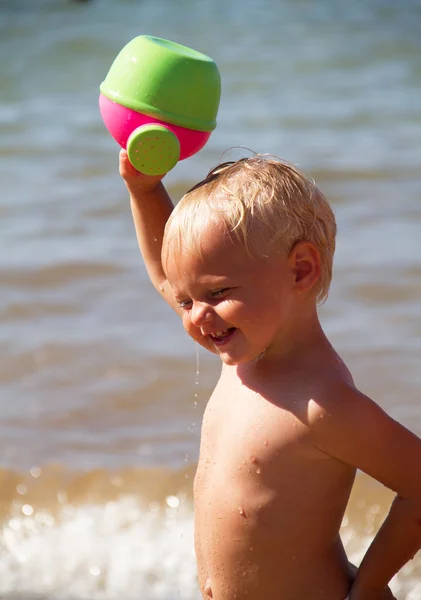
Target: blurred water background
{"points": [[101, 392]]}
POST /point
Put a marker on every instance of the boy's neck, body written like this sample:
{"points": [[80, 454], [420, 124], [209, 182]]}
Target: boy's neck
{"points": [[301, 342]]}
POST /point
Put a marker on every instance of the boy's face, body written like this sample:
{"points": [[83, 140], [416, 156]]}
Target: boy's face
{"points": [[240, 305]]}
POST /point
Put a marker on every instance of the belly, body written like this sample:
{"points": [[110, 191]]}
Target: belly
{"points": [[253, 542]]}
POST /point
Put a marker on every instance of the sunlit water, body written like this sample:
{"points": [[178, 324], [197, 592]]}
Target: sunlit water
{"points": [[101, 391]]}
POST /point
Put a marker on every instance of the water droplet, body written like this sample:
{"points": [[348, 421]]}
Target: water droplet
{"points": [[21, 489], [35, 472], [62, 497], [172, 501], [27, 510]]}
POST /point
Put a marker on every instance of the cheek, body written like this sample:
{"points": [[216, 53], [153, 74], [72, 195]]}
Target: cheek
{"points": [[243, 314], [193, 331], [266, 314], [185, 319], [233, 310]]}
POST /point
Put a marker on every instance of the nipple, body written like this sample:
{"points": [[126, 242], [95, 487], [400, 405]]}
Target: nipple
{"points": [[255, 461]]}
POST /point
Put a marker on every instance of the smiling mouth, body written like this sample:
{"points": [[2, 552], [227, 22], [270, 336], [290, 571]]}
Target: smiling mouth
{"points": [[220, 338]]}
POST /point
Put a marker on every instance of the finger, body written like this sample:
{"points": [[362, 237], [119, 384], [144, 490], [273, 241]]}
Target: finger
{"points": [[130, 173], [127, 170]]}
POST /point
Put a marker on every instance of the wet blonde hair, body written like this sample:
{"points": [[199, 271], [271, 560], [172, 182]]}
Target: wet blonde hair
{"points": [[265, 204]]}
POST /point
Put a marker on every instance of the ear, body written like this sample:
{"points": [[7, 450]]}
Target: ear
{"points": [[304, 261]]}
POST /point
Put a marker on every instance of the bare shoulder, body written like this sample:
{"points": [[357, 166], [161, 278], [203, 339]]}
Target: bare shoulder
{"points": [[337, 398], [351, 427]]}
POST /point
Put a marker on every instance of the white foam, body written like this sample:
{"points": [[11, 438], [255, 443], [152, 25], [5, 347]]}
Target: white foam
{"points": [[124, 549], [121, 549]]}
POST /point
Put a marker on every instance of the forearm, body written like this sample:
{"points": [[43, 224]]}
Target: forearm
{"points": [[151, 209], [150, 212], [151, 206], [397, 541]]}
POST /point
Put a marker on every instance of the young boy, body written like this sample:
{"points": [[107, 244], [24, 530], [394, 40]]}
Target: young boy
{"points": [[244, 259]]}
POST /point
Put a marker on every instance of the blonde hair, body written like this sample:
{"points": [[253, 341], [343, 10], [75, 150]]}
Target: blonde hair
{"points": [[265, 204]]}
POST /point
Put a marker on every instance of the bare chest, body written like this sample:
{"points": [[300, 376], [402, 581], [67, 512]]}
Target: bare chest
{"points": [[260, 488], [249, 446]]}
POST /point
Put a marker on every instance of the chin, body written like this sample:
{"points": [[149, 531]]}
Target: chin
{"points": [[230, 361], [233, 361]]}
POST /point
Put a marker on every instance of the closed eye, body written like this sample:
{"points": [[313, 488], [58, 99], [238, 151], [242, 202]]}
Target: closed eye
{"points": [[220, 292], [184, 304]]}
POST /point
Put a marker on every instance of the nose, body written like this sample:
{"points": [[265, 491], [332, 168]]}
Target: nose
{"points": [[200, 313]]}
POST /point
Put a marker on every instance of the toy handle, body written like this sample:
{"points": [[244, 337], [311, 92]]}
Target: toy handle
{"points": [[153, 149]]}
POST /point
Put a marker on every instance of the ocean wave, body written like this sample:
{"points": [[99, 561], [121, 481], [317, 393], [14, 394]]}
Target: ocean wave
{"points": [[103, 535]]}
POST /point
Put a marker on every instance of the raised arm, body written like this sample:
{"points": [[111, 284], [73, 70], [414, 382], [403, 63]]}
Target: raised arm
{"points": [[151, 206]]}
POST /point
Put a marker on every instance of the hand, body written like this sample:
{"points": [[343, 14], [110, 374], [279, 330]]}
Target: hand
{"points": [[383, 594], [135, 181]]}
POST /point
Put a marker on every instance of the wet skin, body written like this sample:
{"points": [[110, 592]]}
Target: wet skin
{"points": [[262, 528], [285, 428]]}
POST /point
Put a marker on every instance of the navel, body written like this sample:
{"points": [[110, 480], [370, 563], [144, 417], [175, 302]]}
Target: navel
{"points": [[208, 589]]}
